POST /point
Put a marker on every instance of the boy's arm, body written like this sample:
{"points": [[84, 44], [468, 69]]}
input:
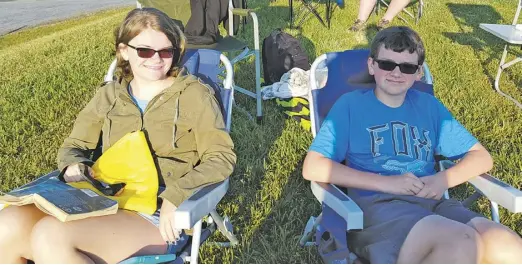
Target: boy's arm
{"points": [[455, 141], [322, 169], [477, 161]]}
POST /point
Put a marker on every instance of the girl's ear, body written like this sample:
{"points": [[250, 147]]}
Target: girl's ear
{"points": [[124, 51]]}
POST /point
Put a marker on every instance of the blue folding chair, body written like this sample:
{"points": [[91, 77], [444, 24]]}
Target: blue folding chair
{"points": [[331, 76], [190, 214], [206, 65]]}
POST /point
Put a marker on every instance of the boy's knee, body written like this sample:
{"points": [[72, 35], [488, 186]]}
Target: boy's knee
{"points": [[466, 243], [501, 245]]}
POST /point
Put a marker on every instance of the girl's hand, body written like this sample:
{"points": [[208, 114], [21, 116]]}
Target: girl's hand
{"points": [[76, 173], [167, 230]]}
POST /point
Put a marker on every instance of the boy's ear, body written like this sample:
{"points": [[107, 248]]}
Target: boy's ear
{"points": [[420, 73], [370, 66]]}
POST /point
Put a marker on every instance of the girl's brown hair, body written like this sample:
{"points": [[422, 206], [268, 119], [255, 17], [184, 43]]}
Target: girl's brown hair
{"points": [[140, 19]]}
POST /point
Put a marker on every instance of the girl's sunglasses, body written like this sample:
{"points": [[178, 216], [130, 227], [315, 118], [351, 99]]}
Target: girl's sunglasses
{"points": [[406, 68], [148, 53]]}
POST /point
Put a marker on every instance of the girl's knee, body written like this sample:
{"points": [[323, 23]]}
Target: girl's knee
{"points": [[15, 222], [49, 233]]}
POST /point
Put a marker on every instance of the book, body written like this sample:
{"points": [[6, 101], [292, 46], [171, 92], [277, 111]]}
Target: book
{"points": [[60, 200]]}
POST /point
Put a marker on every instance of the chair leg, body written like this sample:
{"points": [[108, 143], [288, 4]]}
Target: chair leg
{"points": [[223, 228], [419, 11], [196, 242], [494, 212], [259, 107], [310, 231]]}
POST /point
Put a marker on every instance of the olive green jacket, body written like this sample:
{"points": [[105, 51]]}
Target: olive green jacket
{"points": [[184, 127]]}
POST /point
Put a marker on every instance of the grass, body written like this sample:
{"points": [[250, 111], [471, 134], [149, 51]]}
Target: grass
{"points": [[49, 73]]}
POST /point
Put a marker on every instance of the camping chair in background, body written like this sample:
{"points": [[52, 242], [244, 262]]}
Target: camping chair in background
{"points": [[512, 36], [180, 11], [331, 76], [308, 7], [190, 214], [417, 17]]}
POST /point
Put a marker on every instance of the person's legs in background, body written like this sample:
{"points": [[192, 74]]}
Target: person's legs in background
{"points": [[396, 6], [365, 9]]}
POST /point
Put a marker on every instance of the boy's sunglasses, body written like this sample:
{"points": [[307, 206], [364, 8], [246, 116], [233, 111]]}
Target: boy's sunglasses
{"points": [[406, 68], [148, 53]]}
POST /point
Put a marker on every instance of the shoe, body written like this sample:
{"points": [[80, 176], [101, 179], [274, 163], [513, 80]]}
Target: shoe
{"points": [[383, 23], [357, 25]]}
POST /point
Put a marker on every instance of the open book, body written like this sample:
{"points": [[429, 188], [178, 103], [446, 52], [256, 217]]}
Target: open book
{"points": [[60, 200]]}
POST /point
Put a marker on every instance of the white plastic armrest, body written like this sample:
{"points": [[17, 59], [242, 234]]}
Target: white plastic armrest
{"points": [[199, 205], [494, 189], [340, 203]]}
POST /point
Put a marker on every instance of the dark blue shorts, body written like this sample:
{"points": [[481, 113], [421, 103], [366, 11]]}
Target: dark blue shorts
{"points": [[389, 218]]}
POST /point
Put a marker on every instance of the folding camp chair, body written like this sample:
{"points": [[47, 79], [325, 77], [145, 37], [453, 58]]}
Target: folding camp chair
{"points": [[511, 34], [190, 214], [417, 17], [309, 7], [341, 214], [179, 10]]}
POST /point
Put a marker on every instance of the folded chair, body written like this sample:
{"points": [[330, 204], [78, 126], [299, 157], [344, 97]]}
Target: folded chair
{"points": [[202, 204], [179, 10], [331, 76]]}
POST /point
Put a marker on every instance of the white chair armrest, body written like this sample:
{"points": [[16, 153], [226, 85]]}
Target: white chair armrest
{"points": [[340, 203], [494, 189], [199, 205]]}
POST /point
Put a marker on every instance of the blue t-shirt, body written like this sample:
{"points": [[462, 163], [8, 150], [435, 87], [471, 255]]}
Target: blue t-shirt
{"points": [[369, 136], [142, 104]]}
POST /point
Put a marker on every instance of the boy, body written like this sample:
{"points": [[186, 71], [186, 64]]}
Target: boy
{"points": [[388, 137]]}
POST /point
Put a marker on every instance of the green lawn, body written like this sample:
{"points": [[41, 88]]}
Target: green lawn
{"points": [[49, 73]]}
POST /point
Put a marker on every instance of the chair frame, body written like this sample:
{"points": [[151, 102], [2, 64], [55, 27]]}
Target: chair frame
{"points": [[190, 213], [504, 65], [497, 191]]}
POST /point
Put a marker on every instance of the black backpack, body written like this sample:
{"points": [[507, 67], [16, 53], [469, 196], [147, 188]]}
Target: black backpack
{"points": [[282, 52]]}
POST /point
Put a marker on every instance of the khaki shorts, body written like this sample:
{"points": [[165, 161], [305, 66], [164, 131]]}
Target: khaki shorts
{"points": [[389, 218]]}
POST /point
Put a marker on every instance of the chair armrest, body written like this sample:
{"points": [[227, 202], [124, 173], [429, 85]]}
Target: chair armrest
{"points": [[199, 205], [494, 189], [340, 203], [241, 12]]}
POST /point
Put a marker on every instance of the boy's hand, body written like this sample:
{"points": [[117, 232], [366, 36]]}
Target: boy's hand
{"points": [[405, 184], [167, 230], [75, 173], [434, 187]]}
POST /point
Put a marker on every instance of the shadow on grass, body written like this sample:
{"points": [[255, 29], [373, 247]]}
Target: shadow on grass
{"points": [[470, 16], [267, 153]]}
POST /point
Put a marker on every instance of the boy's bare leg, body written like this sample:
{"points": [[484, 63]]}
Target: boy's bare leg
{"points": [[436, 239], [16, 224], [501, 244]]}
